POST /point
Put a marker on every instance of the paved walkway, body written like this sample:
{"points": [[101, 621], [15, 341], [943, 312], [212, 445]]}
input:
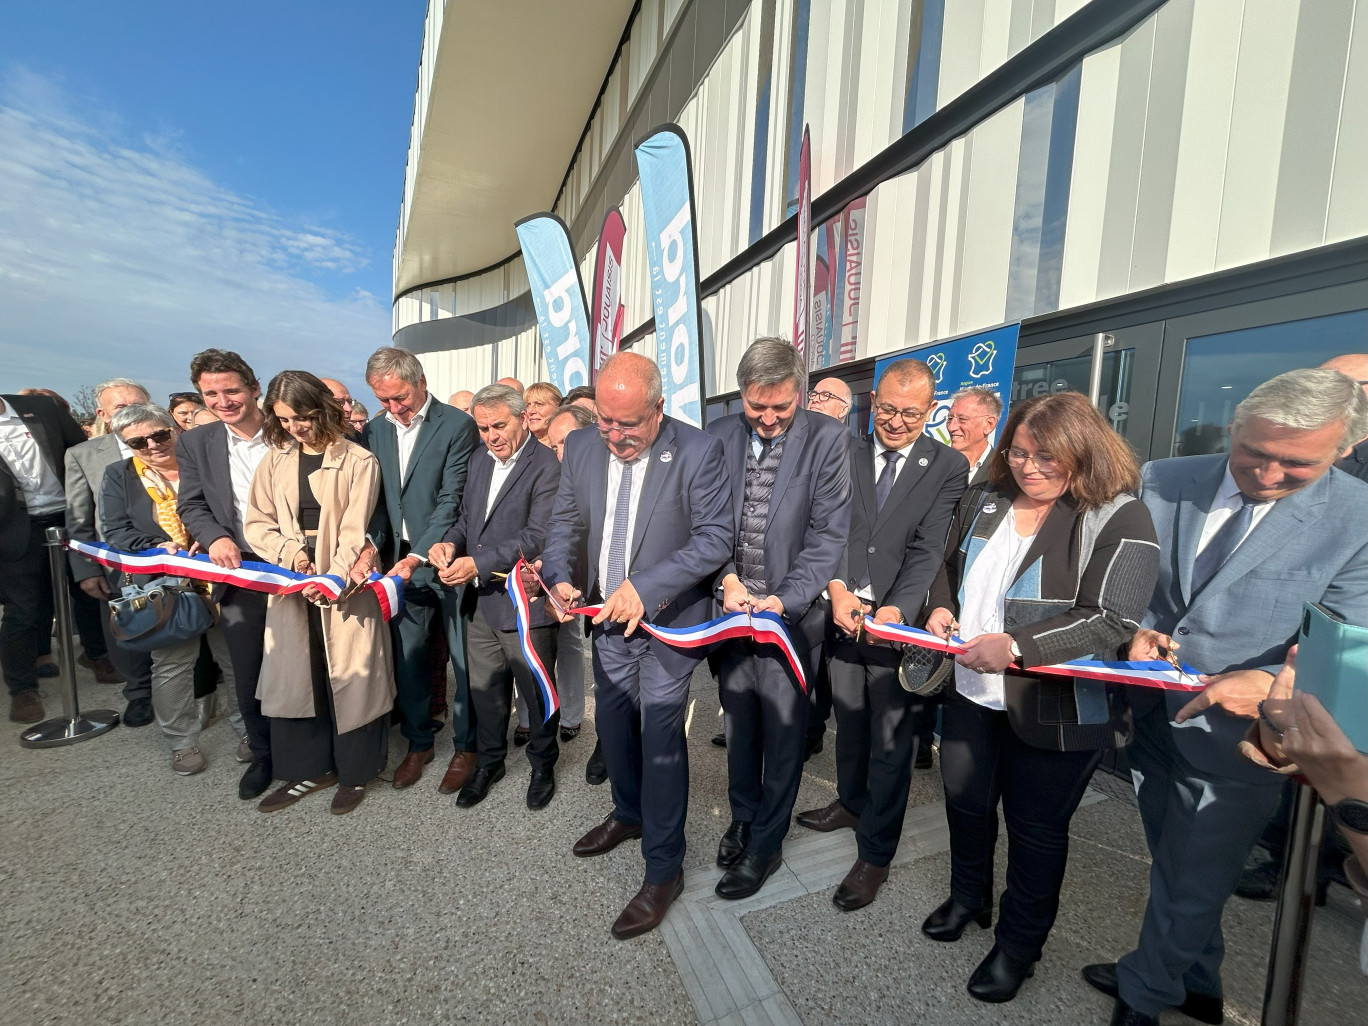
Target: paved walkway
{"points": [[135, 896]]}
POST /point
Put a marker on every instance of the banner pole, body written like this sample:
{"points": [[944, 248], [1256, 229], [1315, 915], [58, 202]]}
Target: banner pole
{"points": [[72, 726]]}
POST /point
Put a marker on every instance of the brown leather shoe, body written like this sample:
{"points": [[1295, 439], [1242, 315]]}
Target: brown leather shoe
{"points": [[102, 668], [458, 772], [860, 886], [832, 817], [408, 771], [605, 837], [644, 912], [26, 706]]}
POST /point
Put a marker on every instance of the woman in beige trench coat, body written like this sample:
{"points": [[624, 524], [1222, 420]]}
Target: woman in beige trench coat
{"points": [[327, 678]]}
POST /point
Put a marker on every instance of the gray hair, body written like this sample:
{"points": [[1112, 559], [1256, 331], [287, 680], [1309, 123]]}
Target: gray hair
{"points": [[359, 407], [771, 361], [582, 417], [985, 397], [500, 395], [105, 386], [1307, 399], [389, 360], [140, 413]]}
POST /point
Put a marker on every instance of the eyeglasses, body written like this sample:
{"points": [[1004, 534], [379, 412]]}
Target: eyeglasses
{"points": [[140, 442], [885, 411], [965, 418], [826, 397], [1044, 461], [175, 398]]}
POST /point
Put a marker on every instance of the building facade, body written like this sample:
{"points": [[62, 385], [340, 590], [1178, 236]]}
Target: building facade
{"points": [[1189, 176]]}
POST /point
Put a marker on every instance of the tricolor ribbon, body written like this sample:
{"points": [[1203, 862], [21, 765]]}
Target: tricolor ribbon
{"points": [[254, 576], [517, 591], [1151, 674]]}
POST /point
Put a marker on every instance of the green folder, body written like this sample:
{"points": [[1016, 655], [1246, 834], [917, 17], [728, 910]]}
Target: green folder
{"points": [[1332, 664]]}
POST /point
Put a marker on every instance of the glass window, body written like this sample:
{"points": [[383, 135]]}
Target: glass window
{"points": [[1222, 369], [1071, 375]]}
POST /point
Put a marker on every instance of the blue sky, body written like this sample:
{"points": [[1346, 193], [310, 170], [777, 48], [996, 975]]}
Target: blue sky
{"points": [[177, 176]]}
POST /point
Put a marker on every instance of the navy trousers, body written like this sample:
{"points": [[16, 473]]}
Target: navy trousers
{"points": [[412, 677]]}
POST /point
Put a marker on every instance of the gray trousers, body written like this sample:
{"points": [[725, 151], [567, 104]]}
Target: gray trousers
{"points": [[1200, 828], [572, 652], [173, 689]]}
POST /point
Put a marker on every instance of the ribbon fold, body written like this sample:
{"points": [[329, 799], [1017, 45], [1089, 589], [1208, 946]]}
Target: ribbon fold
{"points": [[522, 607]]}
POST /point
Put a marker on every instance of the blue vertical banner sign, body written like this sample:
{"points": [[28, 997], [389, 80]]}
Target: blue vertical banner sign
{"points": [[667, 200], [558, 295], [985, 359]]}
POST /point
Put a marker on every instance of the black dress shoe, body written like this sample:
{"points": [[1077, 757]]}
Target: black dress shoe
{"points": [[950, 921], [569, 733], [255, 781], [1124, 1015], [1260, 882], [596, 770], [1202, 1007], [925, 759], [748, 874], [999, 977], [521, 735], [479, 784], [814, 745], [540, 789], [720, 740], [733, 844], [139, 713]]}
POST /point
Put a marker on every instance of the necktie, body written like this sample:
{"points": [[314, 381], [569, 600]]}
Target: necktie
{"points": [[617, 544], [1222, 545], [886, 477]]}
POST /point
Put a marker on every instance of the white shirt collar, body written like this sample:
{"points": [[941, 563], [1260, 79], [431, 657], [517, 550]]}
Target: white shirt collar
{"points": [[415, 420], [879, 447], [236, 439], [502, 464], [1230, 491]]}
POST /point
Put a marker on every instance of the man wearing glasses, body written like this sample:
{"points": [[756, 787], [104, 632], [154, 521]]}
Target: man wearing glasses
{"points": [[830, 396], [906, 486], [343, 395], [973, 418]]}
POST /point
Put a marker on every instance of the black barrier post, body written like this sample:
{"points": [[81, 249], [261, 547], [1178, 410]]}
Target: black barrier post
{"points": [[1296, 903], [72, 726]]}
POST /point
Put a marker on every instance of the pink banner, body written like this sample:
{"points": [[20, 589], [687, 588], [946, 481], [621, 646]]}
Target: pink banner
{"points": [[607, 296], [819, 356], [802, 288], [852, 232]]}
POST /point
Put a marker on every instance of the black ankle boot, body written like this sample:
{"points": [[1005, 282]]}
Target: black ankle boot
{"points": [[999, 977], [949, 921]]}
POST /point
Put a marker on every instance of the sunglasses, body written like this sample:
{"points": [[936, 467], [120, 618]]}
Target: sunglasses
{"points": [[140, 442], [183, 397]]}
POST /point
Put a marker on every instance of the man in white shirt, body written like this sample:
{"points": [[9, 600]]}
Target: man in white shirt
{"points": [[973, 418], [35, 433], [217, 462]]}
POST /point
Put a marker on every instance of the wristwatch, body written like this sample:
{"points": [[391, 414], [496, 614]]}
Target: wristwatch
{"points": [[1016, 649], [1351, 814]]}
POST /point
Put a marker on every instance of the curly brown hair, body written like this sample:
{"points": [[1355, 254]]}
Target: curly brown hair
{"points": [[308, 397], [1099, 462]]}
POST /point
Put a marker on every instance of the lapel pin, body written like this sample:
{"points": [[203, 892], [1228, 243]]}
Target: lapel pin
{"points": [[666, 456], [990, 508], [923, 462]]}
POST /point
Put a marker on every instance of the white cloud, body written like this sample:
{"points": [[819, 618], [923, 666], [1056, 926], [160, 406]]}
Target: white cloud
{"points": [[124, 259]]}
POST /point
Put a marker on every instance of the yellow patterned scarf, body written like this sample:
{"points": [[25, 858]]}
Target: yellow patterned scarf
{"points": [[163, 495]]}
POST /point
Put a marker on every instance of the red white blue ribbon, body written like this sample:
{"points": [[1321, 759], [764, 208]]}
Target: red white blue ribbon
{"points": [[254, 576], [1153, 674], [521, 606]]}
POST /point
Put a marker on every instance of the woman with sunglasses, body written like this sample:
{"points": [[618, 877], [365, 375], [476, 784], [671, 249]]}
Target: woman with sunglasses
{"points": [[138, 512], [327, 676], [1049, 560]]}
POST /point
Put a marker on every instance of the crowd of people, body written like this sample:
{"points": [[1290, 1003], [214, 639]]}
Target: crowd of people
{"points": [[1049, 544]]}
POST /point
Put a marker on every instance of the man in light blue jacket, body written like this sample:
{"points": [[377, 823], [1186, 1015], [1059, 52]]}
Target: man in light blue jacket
{"points": [[1245, 540]]}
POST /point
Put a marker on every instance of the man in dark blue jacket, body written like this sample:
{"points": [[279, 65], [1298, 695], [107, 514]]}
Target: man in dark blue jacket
{"points": [[790, 492], [508, 498], [642, 523]]}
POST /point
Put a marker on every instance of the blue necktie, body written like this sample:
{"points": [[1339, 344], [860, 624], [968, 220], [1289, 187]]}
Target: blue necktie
{"points": [[1223, 544], [617, 545], [887, 476]]}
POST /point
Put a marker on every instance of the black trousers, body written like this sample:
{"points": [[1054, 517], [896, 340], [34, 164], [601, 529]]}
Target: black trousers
{"points": [[306, 749], [26, 601], [494, 661], [242, 615], [766, 715], [410, 631], [819, 685], [982, 762], [876, 741]]}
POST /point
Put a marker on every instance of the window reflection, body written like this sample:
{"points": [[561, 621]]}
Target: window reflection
{"points": [[1072, 375]]}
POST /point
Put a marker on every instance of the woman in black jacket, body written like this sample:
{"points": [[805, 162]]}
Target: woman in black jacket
{"points": [[1050, 560]]}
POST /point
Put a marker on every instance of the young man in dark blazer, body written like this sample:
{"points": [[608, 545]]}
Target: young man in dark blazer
{"points": [[906, 486], [642, 523], [217, 463], [35, 434], [790, 489], [423, 447], [509, 494]]}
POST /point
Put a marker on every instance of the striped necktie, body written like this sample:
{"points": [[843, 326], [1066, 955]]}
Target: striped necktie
{"points": [[617, 544], [1223, 544]]}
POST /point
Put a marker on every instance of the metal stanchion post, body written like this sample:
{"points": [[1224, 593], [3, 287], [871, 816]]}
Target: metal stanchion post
{"points": [[1296, 902], [72, 726]]}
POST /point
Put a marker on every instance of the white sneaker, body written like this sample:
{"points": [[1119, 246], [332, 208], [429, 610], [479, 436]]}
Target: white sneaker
{"points": [[244, 750], [187, 761]]}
